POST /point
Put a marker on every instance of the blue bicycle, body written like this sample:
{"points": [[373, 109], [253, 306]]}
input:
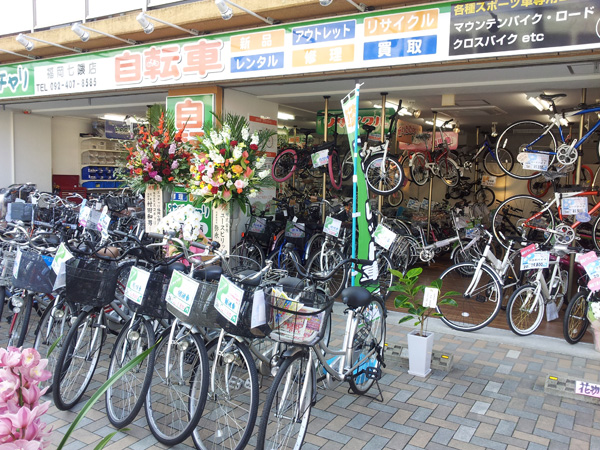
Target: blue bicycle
{"points": [[535, 146]]}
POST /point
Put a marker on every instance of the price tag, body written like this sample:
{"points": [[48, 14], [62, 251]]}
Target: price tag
{"points": [[593, 269], [229, 300], [535, 260], [424, 203], [574, 205], [384, 236], [586, 258], [84, 215], [594, 284], [332, 226], [181, 292], [294, 229], [60, 258], [430, 297], [258, 225], [583, 217], [488, 180], [413, 204], [527, 250], [136, 284], [320, 159], [103, 224], [534, 161]]}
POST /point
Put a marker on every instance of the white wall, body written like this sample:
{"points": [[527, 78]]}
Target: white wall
{"points": [[6, 149], [33, 150], [65, 144]]}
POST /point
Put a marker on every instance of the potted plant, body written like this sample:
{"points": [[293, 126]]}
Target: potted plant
{"points": [[420, 305]]}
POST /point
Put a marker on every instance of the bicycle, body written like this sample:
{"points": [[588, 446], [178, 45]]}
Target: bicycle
{"points": [[483, 285], [576, 322], [383, 172], [541, 184], [534, 145], [464, 188], [490, 159], [287, 410]]}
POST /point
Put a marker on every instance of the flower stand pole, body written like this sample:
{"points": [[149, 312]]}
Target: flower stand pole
{"points": [[420, 351]]}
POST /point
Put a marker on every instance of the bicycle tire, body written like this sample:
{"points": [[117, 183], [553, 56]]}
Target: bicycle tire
{"points": [[515, 137], [395, 198], [538, 186], [585, 176], [77, 360], [231, 409], [334, 168], [508, 223], [576, 322], [454, 192], [419, 173], [476, 310], [596, 233], [171, 413], [17, 332], [485, 195], [492, 165], [124, 398], [284, 261], [284, 165], [523, 322], [285, 395], [449, 172], [324, 262], [249, 249], [347, 166], [52, 331], [369, 335], [391, 182], [2, 302], [385, 278], [314, 245], [595, 181]]}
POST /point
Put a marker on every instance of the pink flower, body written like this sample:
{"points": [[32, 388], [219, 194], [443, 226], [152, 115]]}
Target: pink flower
{"points": [[30, 357], [8, 385], [153, 174], [172, 149], [10, 357], [226, 195], [157, 178], [240, 184], [175, 165], [22, 444], [38, 373]]}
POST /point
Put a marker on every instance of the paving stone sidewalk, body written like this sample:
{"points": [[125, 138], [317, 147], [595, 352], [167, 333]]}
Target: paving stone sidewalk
{"points": [[493, 397]]}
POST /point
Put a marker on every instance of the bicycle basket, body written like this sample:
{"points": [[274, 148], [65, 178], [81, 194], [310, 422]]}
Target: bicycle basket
{"points": [[258, 228], [243, 328], [33, 272], [91, 282], [153, 302], [295, 233], [6, 267], [297, 316], [202, 311]]}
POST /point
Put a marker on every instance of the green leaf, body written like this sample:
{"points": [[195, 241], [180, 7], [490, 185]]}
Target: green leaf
{"points": [[105, 440], [53, 346], [405, 319], [414, 272], [448, 301], [101, 391], [437, 284], [397, 273]]}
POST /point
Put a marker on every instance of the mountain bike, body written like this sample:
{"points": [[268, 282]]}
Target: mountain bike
{"points": [[535, 147], [464, 189]]}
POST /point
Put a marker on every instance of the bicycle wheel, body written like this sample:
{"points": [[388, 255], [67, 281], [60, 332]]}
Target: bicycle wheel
{"points": [[454, 192], [51, 332], [538, 186], [249, 249], [419, 173], [177, 393], [595, 181], [395, 198], [314, 245], [383, 179], [284, 262], [347, 166], [369, 336], [449, 172], [284, 165], [19, 323], [485, 195], [125, 398], [494, 160], [385, 277], [585, 176], [576, 322], [286, 412], [324, 262], [509, 217], [480, 300], [77, 360], [232, 403], [334, 168], [525, 137], [525, 310]]}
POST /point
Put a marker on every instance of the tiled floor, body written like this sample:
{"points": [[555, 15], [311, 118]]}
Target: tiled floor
{"points": [[493, 397]]}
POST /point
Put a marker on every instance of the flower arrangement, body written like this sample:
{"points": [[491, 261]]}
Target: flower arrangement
{"points": [[158, 155], [228, 164], [20, 408], [184, 223]]}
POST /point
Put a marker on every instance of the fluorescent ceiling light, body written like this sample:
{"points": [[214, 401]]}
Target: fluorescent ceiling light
{"points": [[82, 31], [227, 12], [114, 117], [25, 42], [438, 123], [285, 116], [537, 102], [148, 26]]}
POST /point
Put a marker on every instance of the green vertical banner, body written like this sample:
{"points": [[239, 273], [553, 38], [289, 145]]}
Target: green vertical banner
{"points": [[363, 246]]}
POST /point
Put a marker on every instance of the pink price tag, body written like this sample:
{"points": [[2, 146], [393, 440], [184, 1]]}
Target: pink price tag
{"points": [[527, 250], [594, 284], [588, 258]]}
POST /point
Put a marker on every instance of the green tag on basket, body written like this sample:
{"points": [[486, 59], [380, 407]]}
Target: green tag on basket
{"points": [[181, 292], [228, 300], [136, 284]]}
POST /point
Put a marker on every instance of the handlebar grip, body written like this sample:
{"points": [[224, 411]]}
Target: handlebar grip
{"points": [[119, 233], [43, 224], [199, 245], [156, 236]]}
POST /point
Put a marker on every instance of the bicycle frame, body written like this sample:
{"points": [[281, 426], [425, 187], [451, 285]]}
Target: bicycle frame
{"points": [[499, 267], [541, 287]]}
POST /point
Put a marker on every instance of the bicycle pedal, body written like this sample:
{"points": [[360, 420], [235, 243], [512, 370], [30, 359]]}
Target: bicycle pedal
{"points": [[373, 373]]}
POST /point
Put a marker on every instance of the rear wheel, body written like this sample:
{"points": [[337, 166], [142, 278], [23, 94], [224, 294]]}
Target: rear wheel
{"points": [[395, 198], [538, 186], [335, 169], [493, 161], [449, 172], [250, 250], [383, 179], [20, 320], [284, 165], [419, 173], [485, 195], [347, 166], [576, 321], [324, 262]]}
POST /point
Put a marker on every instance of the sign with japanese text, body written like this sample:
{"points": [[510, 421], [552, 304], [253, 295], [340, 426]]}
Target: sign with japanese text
{"points": [[136, 284], [574, 205], [370, 117], [586, 388], [228, 300], [153, 200], [181, 292], [535, 260], [394, 37], [192, 113]]}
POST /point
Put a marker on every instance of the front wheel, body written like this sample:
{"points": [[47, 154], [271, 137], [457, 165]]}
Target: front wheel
{"points": [[334, 168], [20, 320], [538, 186], [449, 172], [250, 250], [348, 166], [369, 338], [286, 412], [495, 160], [324, 262], [383, 178], [284, 165], [576, 321], [395, 198], [419, 173], [480, 299], [485, 195], [525, 310]]}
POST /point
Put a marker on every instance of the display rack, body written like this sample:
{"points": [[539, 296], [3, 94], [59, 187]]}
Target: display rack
{"points": [[99, 161]]}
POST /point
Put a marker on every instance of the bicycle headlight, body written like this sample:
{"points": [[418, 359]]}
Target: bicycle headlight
{"points": [[58, 314], [183, 345], [133, 336], [17, 302], [228, 358]]}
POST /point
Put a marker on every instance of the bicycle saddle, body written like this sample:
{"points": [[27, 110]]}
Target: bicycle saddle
{"points": [[210, 273], [570, 188], [368, 128], [356, 296], [550, 98], [291, 283], [169, 268]]}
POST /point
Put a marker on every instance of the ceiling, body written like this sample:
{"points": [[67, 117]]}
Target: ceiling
{"points": [[481, 95]]}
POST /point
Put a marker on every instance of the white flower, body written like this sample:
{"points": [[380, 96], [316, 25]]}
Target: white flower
{"points": [[252, 193], [215, 138], [254, 139], [237, 152], [263, 174], [259, 163], [229, 184], [245, 133]]}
